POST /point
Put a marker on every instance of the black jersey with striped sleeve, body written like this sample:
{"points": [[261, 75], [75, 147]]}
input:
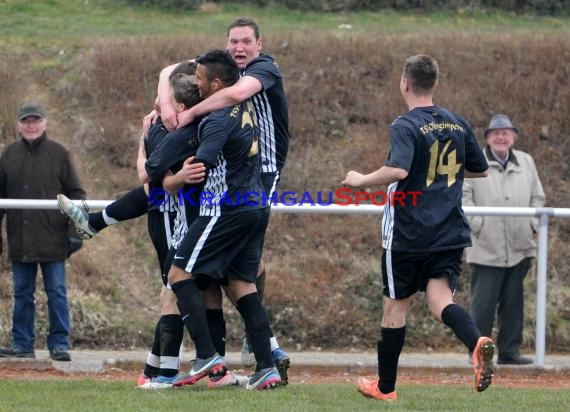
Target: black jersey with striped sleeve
{"points": [[424, 212], [229, 146], [171, 151], [272, 112], [166, 152]]}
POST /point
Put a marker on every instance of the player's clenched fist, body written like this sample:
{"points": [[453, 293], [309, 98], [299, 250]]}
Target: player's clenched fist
{"points": [[353, 179]]}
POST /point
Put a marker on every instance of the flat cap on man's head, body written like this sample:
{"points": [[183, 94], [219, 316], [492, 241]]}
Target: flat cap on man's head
{"points": [[30, 109], [500, 121]]}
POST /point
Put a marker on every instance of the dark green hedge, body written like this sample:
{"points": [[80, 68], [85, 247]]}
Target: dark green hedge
{"points": [[545, 7]]}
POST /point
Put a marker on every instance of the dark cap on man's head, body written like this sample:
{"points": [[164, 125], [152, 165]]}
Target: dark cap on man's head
{"points": [[30, 109], [500, 121]]}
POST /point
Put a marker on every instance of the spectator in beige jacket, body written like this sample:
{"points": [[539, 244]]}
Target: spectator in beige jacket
{"points": [[502, 246]]}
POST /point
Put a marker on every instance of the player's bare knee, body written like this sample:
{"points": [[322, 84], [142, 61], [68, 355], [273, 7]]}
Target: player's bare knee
{"points": [[176, 275]]}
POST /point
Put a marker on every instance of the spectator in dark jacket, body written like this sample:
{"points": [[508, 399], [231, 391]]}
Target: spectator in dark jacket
{"points": [[36, 167]]}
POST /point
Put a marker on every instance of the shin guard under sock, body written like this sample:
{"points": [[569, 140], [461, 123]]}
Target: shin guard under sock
{"points": [[257, 328], [217, 325], [193, 310], [171, 335], [462, 324], [389, 348], [152, 366]]}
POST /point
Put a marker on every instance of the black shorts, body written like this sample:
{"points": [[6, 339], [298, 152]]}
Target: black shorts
{"points": [[224, 246], [160, 226], [405, 273]]}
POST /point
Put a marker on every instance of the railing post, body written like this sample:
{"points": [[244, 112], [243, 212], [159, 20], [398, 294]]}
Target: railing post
{"points": [[541, 275]]}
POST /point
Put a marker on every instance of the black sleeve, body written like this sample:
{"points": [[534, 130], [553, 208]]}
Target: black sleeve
{"points": [[401, 153], [172, 150], [265, 70], [213, 137]]}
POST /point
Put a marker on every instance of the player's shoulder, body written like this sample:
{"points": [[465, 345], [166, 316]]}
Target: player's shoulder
{"points": [[262, 62], [263, 58], [222, 116], [404, 122], [453, 117]]}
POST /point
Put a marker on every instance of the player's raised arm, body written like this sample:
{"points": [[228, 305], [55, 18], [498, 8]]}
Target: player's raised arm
{"points": [[246, 87], [168, 113]]}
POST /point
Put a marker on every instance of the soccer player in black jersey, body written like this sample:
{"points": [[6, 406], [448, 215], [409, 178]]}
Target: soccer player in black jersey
{"points": [[424, 230], [166, 153], [159, 160], [262, 81], [225, 242]]}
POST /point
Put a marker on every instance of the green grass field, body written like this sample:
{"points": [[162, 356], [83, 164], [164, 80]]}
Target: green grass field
{"points": [[54, 24], [96, 395]]}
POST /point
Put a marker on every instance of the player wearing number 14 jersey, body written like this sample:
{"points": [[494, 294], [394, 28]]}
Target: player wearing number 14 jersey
{"points": [[431, 151], [435, 146]]}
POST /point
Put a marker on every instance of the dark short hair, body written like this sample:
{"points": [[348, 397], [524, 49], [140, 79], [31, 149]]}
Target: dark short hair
{"points": [[184, 89], [220, 65], [422, 72], [245, 22]]}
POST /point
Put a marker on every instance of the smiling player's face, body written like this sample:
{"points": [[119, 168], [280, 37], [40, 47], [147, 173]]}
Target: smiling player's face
{"points": [[243, 46], [204, 86]]}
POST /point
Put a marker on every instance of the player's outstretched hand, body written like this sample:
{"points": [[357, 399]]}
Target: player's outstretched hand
{"points": [[352, 179]]}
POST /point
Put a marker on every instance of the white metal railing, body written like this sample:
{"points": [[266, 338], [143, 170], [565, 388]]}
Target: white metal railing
{"points": [[543, 214]]}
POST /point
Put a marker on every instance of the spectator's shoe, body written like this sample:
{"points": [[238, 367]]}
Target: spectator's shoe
{"points": [[142, 379], [160, 382], [520, 360], [267, 378], [60, 355], [77, 215], [201, 368], [369, 388], [247, 356], [483, 363], [282, 363], [16, 353], [227, 379]]}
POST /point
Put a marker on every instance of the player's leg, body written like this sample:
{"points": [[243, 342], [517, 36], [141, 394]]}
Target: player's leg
{"points": [[169, 338], [132, 205], [444, 273], [193, 310], [242, 274], [198, 252], [280, 357], [389, 347], [217, 325], [257, 328], [152, 365], [215, 316], [399, 272]]}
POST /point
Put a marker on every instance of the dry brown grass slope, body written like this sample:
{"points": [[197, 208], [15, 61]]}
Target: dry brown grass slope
{"points": [[324, 282]]}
